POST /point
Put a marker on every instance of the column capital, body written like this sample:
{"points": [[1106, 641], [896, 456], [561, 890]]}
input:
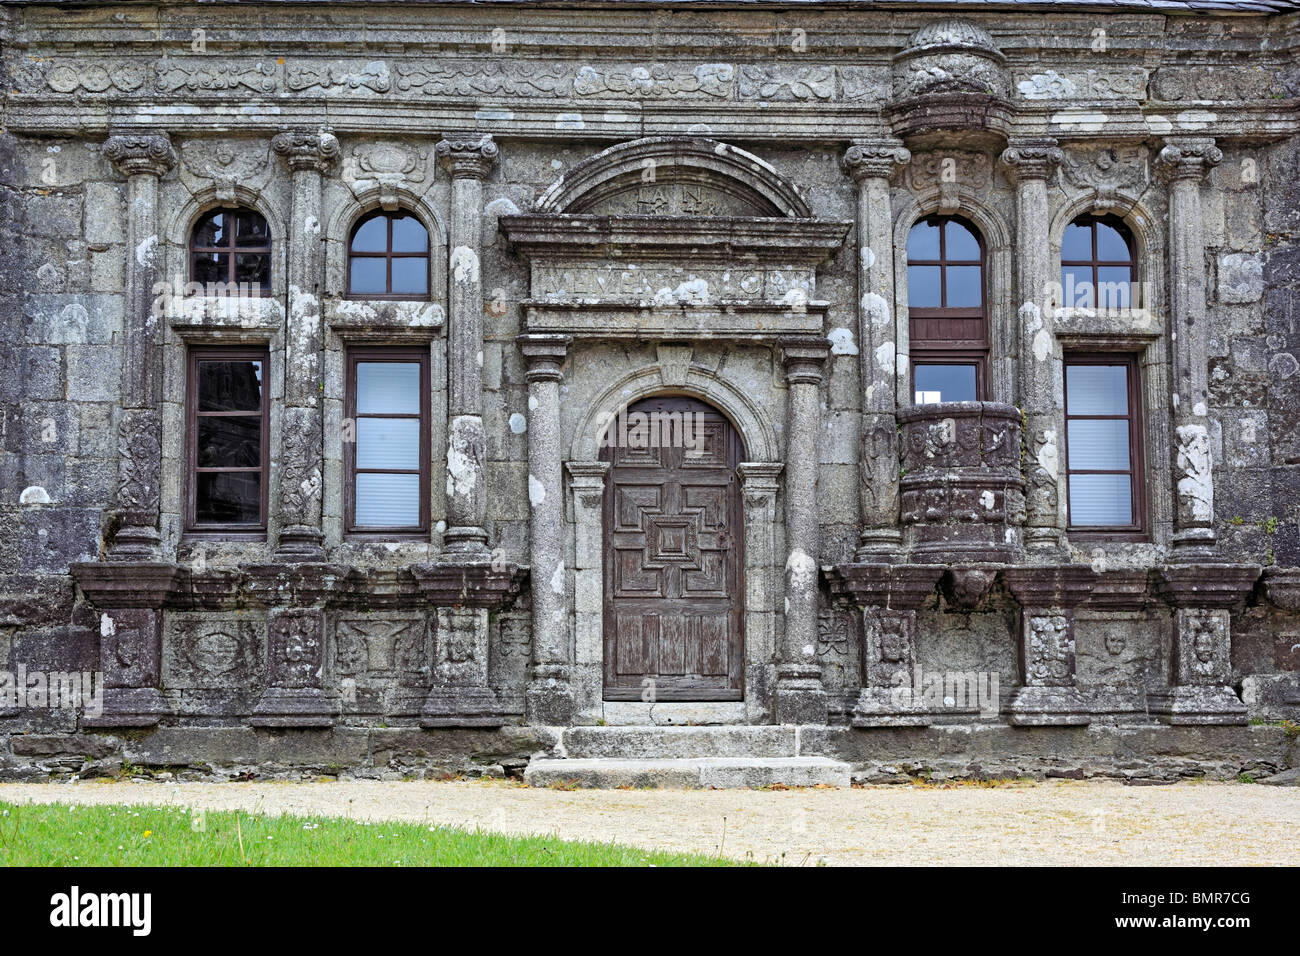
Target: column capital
{"points": [[307, 149], [544, 355], [875, 159], [1188, 157], [467, 155], [1032, 158], [134, 153], [803, 359]]}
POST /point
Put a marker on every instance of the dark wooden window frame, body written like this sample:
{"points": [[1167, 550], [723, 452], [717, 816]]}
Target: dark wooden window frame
{"points": [[1095, 263], [389, 255], [951, 351], [396, 355], [231, 248], [1137, 530], [223, 353]]}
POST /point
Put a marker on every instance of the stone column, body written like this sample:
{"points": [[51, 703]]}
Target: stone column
{"points": [[309, 155], [587, 490], [1185, 161], [760, 482], [1048, 596], [800, 698], [468, 158], [1031, 163], [143, 158], [871, 165], [549, 699]]}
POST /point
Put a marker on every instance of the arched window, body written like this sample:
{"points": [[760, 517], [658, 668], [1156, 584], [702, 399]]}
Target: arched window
{"points": [[1097, 264], [231, 248], [945, 307], [388, 257]]}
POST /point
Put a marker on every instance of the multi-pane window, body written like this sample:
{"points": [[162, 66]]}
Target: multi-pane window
{"points": [[227, 439], [1103, 447], [232, 248], [387, 458], [1097, 264], [388, 257], [946, 313]]}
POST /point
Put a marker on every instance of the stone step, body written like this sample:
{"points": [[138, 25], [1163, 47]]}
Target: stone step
{"points": [[697, 773], [674, 743]]}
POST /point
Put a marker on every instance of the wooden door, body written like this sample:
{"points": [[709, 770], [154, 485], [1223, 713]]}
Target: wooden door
{"points": [[674, 606]]}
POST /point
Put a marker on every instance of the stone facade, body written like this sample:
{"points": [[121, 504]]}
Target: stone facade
{"points": [[721, 212]]}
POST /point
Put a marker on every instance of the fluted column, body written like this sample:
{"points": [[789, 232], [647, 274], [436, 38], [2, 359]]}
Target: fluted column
{"points": [[143, 158], [309, 155], [1031, 162], [871, 165], [549, 699], [1185, 161], [468, 158], [800, 698]]}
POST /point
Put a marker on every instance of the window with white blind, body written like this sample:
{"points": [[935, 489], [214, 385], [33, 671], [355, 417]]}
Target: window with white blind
{"points": [[1103, 445], [388, 458]]}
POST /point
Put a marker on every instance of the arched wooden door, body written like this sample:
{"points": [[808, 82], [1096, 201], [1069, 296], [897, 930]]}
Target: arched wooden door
{"points": [[674, 598]]}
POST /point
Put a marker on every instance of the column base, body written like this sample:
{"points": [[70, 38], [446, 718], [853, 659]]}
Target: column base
{"points": [[300, 544], [135, 543], [1194, 545], [450, 706], [1046, 543], [889, 707], [294, 707], [465, 541], [1198, 704], [800, 697], [130, 707], [549, 700], [1039, 706], [879, 546]]}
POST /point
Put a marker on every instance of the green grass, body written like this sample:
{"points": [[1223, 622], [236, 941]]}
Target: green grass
{"points": [[70, 835]]}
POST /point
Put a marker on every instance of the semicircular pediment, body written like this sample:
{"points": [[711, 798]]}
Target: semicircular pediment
{"points": [[670, 176]]}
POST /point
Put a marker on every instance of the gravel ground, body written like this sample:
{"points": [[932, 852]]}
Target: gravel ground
{"points": [[1052, 823]]}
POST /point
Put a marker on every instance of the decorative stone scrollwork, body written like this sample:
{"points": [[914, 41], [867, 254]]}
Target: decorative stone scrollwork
{"points": [[950, 56], [1188, 157], [134, 153], [466, 155], [655, 82], [305, 149], [876, 160], [1033, 158], [388, 166], [139, 450], [226, 163], [1113, 172]]}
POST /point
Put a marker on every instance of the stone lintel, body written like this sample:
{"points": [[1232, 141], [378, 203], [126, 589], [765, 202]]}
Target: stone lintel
{"points": [[1050, 586], [128, 584], [895, 586], [473, 583], [1217, 585]]}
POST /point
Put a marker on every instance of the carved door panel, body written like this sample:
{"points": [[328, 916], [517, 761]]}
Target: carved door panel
{"points": [[674, 607]]}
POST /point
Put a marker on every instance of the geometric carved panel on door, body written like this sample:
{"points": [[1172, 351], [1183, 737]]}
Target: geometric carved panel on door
{"points": [[674, 600]]}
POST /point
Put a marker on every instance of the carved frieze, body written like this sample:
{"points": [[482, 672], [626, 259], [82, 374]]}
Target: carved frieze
{"points": [[192, 76], [1210, 83], [716, 80], [1111, 171], [490, 79], [388, 166], [781, 84], [1128, 83], [370, 646], [202, 653], [226, 164], [373, 76]]}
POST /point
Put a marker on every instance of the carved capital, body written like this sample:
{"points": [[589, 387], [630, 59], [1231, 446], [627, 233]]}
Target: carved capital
{"points": [[875, 160], [467, 155], [135, 153], [544, 356], [307, 149], [1189, 157], [1032, 158], [803, 359]]}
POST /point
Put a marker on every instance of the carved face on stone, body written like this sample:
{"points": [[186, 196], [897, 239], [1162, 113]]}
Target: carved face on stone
{"points": [[893, 643], [1203, 642], [1115, 644]]}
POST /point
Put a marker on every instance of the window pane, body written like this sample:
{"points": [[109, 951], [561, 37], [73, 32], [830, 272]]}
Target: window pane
{"points": [[388, 443], [1101, 500], [372, 236], [944, 383], [211, 230], [211, 267], [410, 276], [409, 235], [1077, 241], [1077, 291], [251, 229], [965, 291], [233, 441], [388, 388], [1113, 287], [1111, 246], [368, 275], [923, 287], [228, 498], [234, 386], [923, 241], [960, 243], [1097, 390], [388, 501], [253, 269], [1098, 443]]}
